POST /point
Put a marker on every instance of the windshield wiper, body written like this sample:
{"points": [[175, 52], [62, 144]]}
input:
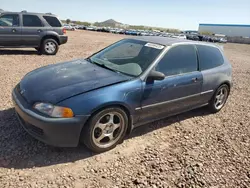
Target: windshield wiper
{"points": [[102, 65]]}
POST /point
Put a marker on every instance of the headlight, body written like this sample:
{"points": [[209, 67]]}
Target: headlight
{"points": [[54, 111]]}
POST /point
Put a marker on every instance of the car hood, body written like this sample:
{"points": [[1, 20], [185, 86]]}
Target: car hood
{"points": [[55, 83]]}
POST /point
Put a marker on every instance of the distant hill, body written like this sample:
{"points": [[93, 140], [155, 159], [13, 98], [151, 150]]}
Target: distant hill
{"points": [[108, 23], [1, 10]]}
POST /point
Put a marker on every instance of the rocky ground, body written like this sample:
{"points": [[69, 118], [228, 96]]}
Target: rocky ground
{"points": [[195, 149]]}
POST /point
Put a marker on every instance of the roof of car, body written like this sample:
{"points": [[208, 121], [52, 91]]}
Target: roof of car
{"points": [[167, 41], [25, 12]]}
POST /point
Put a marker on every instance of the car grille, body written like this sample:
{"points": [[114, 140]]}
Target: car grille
{"points": [[31, 128]]}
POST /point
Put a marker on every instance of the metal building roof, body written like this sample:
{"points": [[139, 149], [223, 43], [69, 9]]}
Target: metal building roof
{"points": [[225, 25]]}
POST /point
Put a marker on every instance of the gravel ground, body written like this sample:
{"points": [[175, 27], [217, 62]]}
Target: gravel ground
{"points": [[195, 149]]}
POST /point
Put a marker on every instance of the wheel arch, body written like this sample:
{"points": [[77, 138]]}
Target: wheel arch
{"points": [[226, 83], [123, 106], [50, 37]]}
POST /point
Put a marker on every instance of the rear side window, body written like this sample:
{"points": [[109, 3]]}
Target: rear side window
{"points": [[209, 57], [178, 60], [9, 20], [31, 21], [52, 21]]}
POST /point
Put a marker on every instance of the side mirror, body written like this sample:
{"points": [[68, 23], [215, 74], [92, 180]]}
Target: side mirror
{"points": [[155, 75]]}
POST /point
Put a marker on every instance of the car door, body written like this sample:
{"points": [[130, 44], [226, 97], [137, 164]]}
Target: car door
{"points": [[10, 30], [181, 88], [32, 30]]}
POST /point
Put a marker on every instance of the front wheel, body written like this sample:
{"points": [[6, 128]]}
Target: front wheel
{"points": [[105, 130], [49, 47], [219, 98]]}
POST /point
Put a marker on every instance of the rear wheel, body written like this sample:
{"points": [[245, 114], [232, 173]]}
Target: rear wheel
{"points": [[105, 130], [219, 98], [49, 47]]}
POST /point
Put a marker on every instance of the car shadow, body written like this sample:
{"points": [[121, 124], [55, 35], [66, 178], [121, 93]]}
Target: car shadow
{"points": [[18, 52], [19, 150]]}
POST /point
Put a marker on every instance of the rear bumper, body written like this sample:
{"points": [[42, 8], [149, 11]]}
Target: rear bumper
{"points": [[59, 132], [63, 39]]}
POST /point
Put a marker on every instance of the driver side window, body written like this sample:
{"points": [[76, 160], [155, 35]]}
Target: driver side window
{"points": [[9, 20], [178, 60]]}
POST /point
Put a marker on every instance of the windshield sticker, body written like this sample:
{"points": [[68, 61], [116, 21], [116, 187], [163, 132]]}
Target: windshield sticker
{"points": [[157, 46]]}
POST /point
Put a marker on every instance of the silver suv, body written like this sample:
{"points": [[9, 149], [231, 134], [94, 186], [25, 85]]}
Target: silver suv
{"points": [[44, 32]]}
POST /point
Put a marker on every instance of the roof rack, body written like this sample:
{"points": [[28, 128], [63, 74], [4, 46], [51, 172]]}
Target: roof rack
{"points": [[24, 11], [49, 13]]}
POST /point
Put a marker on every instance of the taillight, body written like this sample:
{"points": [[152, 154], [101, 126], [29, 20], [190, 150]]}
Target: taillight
{"points": [[64, 31]]}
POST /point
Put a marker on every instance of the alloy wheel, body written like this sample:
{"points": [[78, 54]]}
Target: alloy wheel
{"points": [[108, 129], [220, 98]]}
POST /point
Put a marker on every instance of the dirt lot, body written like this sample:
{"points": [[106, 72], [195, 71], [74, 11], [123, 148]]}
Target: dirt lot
{"points": [[195, 149]]}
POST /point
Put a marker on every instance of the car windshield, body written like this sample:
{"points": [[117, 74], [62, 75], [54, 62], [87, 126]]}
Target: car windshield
{"points": [[128, 56]]}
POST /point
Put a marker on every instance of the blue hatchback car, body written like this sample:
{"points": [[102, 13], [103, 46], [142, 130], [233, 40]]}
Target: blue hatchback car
{"points": [[98, 100]]}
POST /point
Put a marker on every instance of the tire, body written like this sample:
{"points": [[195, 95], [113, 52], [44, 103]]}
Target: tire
{"points": [[49, 47], [214, 105], [97, 132]]}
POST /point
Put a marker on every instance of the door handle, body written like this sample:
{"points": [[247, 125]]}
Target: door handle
{"points": [[194, 79], [39, 30], [13, 30]]}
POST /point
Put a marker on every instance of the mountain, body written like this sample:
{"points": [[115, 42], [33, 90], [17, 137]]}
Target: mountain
{"points": [[1, 10], [109, 23]]}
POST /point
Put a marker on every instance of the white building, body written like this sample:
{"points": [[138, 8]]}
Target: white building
{"points": [[226, 29]]}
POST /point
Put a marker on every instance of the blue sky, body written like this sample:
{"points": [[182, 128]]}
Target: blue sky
{"points": [[181, 14]]}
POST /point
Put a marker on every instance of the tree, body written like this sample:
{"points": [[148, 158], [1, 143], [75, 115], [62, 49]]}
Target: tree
{"points": [[206, 33], [86, 23], [82, 23], [68, 21]]}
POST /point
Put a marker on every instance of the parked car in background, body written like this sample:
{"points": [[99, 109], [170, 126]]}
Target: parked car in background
{"points": [[150, 78], [69, 27], [90, 28], [179, 36], [214, 39], [112, 30], [44, 32], [121, 31], [132, 32], [82, 27], [144, 33], [205, 38], [223, 40], [193, 37]]}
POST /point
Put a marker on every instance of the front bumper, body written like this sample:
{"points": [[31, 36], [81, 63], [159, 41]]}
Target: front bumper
{"points": [[63, 39], [60, 132]]}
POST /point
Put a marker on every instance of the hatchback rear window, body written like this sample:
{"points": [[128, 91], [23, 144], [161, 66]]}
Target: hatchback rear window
{"points": [[209, 57], [52, 21]]}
